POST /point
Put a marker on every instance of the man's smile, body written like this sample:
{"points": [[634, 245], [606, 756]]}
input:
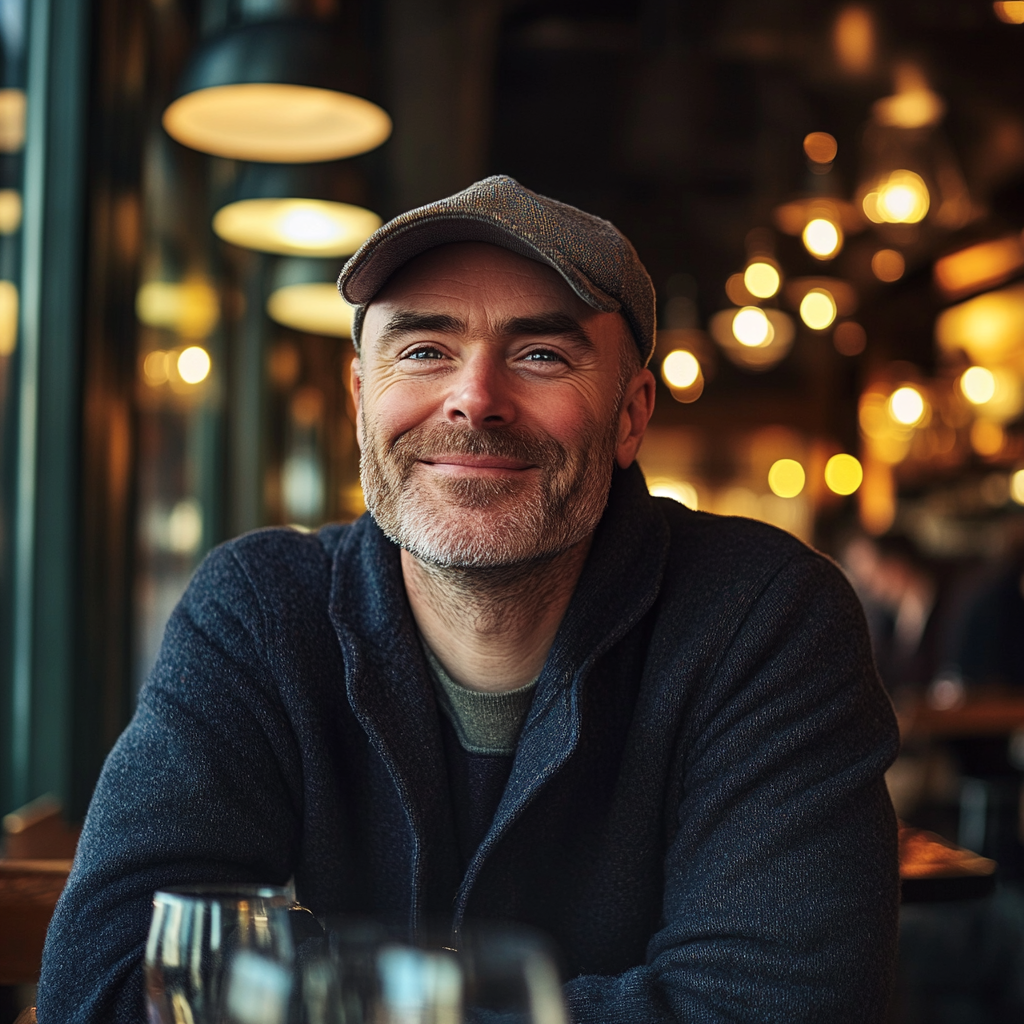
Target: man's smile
{"points": [[476, 465]]}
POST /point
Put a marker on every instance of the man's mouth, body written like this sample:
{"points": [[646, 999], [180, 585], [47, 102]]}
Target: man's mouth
{"points": [[485, 465]]}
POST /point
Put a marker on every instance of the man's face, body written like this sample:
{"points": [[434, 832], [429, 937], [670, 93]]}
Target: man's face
{"points": [[490, 408]]}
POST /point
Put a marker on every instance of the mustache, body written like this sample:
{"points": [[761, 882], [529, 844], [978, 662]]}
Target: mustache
{"points": [[440, 439]]}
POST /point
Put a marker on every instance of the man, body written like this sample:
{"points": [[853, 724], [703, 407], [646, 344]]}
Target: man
{"points": [[523, 689]]}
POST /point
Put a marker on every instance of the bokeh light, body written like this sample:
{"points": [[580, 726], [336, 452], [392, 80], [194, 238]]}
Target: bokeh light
{"points": [[818, 309], [843, 474], [1009, 11], [1017, 486], [821, 147], [906, 406], [849, 338], [751, 327], [978, 385], [854, 39], [678, 490], [902, 198], [888, 265], [194, 364], [822, 238], [762, 279], [987, 438], [155, 369], [786, 478], [680, 368]]}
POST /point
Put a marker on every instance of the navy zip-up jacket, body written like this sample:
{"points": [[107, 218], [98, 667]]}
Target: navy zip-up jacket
{"points": [[696, 811]]}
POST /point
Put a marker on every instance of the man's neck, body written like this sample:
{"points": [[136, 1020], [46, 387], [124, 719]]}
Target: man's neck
{"points": [[492, 628]]}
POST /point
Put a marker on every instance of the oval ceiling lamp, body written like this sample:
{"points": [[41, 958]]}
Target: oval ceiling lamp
{"points": [[295, 227], [305, 297], [277, 92]]}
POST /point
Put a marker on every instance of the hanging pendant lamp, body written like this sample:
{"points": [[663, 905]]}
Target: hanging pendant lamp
{"points": [[275, 91]]}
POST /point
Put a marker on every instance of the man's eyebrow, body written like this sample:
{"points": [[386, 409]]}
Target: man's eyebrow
{"points": [[547, 325], [409, 322]]}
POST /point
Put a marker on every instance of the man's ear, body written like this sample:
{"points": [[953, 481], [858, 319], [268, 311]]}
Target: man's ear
{"points": [[634, 415], [355, 382]]}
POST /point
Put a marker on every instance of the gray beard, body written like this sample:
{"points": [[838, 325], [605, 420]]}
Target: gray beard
{"points": [[481, 523]]}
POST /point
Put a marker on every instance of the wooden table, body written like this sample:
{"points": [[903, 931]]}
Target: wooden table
{"points": [[982, 713], [28, 893]]}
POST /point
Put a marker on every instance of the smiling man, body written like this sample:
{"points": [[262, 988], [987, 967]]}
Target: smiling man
{"points": [[520, 688]]}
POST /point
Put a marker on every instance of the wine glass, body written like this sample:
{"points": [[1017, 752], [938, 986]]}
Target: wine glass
{"points": [[509, 974], [195, 934], [378, 975]]}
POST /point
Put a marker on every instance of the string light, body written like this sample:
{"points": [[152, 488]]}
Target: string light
{"points": [[680, 368], [906, 406], [751, 327], [978, 385], [843, 474], [818, 309], [761, 279], [786, 478], [822, 238]]}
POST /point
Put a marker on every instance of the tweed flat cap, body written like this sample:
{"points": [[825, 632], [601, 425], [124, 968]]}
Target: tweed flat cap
{"points": [[592, 255]]}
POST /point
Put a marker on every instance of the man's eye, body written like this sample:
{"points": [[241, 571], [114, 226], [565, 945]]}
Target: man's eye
{"points": [[423, 353], [542, 355]]}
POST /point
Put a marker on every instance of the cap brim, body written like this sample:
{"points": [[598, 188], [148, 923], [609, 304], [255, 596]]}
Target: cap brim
{"points": [[371, 268]]}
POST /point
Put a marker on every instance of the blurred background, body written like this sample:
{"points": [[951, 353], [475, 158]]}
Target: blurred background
{"points": [[828, 196]]}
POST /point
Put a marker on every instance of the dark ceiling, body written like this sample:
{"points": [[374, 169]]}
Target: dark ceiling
{"points": [[682, 122]]}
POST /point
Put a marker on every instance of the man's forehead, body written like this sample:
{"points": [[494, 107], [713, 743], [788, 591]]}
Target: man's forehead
{"points": [[467, 271]]}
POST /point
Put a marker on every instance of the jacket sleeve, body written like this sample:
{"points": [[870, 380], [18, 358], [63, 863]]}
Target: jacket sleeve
{"points": [[781, 884], [209, 732]]}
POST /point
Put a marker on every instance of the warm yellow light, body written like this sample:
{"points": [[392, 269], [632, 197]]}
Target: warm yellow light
{"points": [[902, 198], [914, 108], [822, 238], [313, 308], [295, 227], [276, 123], [979, 266], [978, 385], [888, 265], [1017, 481], [189, 307], [987, 438], [680, 368], [8, 317], [10, 211], [843, 474], [906, 406], [786, 478], [761, 279], [751, 327], [678, 490], [989, 328], [821, 147], [155, 368], [1010, 11], [194, 364], [12, 120], [854, 39], [818, 309]]}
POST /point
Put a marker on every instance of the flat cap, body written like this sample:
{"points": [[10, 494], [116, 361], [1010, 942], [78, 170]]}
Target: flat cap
{"points": [[592, 255]]}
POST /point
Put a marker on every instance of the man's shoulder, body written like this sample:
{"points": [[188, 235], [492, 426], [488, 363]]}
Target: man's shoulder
{"points": [[726, 554], [716, 537], [276, 559]]}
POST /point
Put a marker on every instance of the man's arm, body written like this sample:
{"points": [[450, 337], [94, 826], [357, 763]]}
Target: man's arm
{"points": [[781, 882], [199, 788]]}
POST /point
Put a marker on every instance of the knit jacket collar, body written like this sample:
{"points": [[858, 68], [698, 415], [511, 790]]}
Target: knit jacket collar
{"points": [[390, 692]]}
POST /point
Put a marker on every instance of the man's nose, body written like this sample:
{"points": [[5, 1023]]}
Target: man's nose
{"points": [[481, 397]]}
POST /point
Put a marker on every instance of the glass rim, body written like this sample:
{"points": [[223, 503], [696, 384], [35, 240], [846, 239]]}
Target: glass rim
{"points": [[228, 891]]}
